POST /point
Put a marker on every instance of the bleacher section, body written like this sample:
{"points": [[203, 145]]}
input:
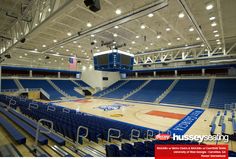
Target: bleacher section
{"points": [[54, 94], [67, 123], [42, 139], [8, 84], [82, 83], [113, 86], [187, 92], [151, 91], [125, 89], [12, 131], [68, 87], [224, 93]]}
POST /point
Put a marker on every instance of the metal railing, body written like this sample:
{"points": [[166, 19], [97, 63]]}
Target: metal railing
{"points": [[41, 131], [133, 136], [149, 133], [33, 105], [109, 136], [82, 136]]}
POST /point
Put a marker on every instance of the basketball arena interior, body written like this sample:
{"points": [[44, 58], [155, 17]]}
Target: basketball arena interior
{"points": [[113, 78]]}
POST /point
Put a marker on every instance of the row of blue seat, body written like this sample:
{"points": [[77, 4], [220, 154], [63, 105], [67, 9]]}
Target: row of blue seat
{"points": [[113, 86], [45, 85], [67, 123], [68, 87], [187, 92], [12, 131], [42, 139], [33, 124], [125, 89], [223, 93], [151, 91], [8, 84]]}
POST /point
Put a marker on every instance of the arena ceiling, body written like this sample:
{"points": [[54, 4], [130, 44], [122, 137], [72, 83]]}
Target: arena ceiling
{"points": [[147, 36]]}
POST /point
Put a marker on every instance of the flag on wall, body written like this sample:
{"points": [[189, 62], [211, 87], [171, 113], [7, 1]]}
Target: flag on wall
{"points": [[72, 63]]}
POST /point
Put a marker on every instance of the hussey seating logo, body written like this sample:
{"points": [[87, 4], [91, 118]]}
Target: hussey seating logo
{"points": [[162, 137]]}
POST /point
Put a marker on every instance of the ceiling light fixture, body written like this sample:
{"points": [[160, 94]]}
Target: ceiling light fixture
{"points": [[215, 31], [158, 36], [92, 35], [55, 41], [89, 24], [115, 35], [137, 37], [44, 45], [169, 44], [116, 27], [69, 34], [213, 24], [142, 26], [191, 29], [197, 38], [217, 35], [167, 29], [181, 15], [209, 6], [150, 15], [178, 38], [118, 11], [212, 18], [133, 42]]}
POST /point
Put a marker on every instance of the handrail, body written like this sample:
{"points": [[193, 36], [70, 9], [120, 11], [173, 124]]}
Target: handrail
{"points": [[66, 110], [78, 134], [133, 135], [45, 132], [11, 102], [33, 105], [111, 136], [51, 108], [148, 133]]}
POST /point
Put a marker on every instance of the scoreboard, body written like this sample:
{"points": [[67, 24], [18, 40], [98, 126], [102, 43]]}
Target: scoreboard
{"points": [[113, 60]]}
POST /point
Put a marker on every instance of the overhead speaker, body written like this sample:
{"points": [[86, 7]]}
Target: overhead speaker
{"points": [[8, 56], [94, 5], [78, 61], [22, 40], [47, 57]]}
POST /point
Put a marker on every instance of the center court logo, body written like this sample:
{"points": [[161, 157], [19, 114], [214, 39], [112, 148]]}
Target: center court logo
{"points": [[199, 138]]}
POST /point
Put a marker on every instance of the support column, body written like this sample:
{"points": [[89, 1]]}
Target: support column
{"points": [[176, 73], [59, 74], [136, 74], [203, 72], [154, 73], [31, 73]]}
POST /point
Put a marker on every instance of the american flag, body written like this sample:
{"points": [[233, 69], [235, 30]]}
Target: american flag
{"points": [[72, 63]]}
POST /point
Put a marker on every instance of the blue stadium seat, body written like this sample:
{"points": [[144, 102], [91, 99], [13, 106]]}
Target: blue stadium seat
{"points": [[187, 92], [12, 131], [125, 89], [114, 85], [8, 84], [42, 139], [213, 129], [54, 94], [223, 93], [82, 83], [68, 87], [32, 123], [151, 91]]}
